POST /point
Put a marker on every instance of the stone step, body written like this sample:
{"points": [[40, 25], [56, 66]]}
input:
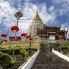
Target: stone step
{"points": [[50, 67], [48, 60]]}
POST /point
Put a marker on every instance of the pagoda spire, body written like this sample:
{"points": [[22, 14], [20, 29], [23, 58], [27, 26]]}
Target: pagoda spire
{"points": [[37, 17]]}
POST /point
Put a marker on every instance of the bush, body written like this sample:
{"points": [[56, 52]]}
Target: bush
{"points": [[30, 50], [1, 42], [1, 53], [13, 60], [5, 58], [24, 53]]}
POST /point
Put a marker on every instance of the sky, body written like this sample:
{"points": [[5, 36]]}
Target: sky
{"points": [[52, 13]]}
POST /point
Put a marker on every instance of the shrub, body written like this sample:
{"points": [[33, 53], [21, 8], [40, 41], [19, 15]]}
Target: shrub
{"points": [[24, 53], [13, 60], [5, 58], [30, 50]]}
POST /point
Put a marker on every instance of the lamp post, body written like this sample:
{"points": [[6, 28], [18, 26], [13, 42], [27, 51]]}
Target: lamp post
{"points": [[18, 15], [66, 30], [30, 39]]}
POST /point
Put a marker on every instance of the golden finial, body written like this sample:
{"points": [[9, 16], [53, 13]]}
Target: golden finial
{"points": [[37, 17]]}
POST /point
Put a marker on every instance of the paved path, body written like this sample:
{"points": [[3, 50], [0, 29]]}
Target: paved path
{"points": [[48, 60]]}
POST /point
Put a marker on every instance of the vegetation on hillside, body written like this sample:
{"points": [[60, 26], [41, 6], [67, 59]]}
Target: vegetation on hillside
{"points": [[13, 56]]}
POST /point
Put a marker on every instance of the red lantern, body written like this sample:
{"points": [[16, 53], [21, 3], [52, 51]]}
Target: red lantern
{"points": [[12, 37], [3, 35], [14, 29], [30, 39], [23, 34]]}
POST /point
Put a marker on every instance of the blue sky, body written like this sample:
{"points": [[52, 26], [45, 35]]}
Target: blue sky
{"points": [[52, 12]]}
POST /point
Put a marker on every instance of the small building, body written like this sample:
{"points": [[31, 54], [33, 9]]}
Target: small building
{"points": [[52, 33]]}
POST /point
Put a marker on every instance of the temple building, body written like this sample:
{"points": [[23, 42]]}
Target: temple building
{"points": [[36, 23], [38, 29]]}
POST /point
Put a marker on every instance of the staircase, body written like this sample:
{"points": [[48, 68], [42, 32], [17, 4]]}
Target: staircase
{"points": [[48, 60]]}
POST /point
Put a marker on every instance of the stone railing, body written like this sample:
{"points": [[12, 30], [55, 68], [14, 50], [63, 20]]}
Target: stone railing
{"points": [[60, 55], [30, 62]]}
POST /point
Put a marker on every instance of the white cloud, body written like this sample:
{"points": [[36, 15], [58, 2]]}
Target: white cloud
{"points": [[7, 13], [65, 25], [61, 6], [6, 9], [51, 9], [29, 13], [46, 17], [29, 10]]}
